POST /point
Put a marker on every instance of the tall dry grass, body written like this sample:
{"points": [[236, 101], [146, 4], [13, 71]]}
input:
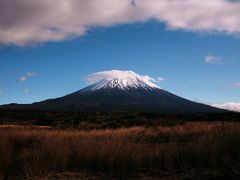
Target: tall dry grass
{"points": [[30, 152]]}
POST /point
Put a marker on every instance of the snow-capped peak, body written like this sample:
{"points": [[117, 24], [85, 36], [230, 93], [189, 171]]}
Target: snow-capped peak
{"points": [[119, 79]]}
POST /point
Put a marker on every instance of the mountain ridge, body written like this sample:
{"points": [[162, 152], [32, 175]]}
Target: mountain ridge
{"points": [[124, 91]]}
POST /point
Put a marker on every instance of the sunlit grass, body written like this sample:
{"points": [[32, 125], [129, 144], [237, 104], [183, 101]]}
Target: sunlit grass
{"points": [[28, 151]]}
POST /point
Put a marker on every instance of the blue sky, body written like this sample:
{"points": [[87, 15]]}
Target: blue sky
{"points": [[198, 65], [148, 49]]}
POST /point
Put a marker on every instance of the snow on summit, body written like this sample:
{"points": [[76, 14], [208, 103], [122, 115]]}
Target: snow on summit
{"points": [[119, 79]]}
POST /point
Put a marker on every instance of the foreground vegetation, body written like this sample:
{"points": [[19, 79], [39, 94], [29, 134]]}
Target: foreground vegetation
{"points": [[100, 120], [189, 149]]}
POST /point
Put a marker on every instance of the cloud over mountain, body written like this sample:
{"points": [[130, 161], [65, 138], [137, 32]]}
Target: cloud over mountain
{"points": [[109, 75], [233, 106], [24, 22]]}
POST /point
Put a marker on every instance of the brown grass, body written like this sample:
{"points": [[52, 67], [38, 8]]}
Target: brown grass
{"points": [[30, 152]]}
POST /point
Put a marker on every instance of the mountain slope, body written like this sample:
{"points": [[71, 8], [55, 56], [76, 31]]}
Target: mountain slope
{"points": [[123, 91]]}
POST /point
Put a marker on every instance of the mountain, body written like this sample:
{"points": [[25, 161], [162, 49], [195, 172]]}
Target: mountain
{"points": [[121, 91]]}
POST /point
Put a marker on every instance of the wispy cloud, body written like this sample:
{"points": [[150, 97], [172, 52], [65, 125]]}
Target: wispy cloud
{"points": [[42, 21], [233, 106], [156, 80], [211, 59], [26, 76], [160, 79], [149, 78], [236, 85], [26, 90], [1, 93]]}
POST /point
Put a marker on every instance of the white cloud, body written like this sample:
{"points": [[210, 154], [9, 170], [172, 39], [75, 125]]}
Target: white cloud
{"points": [[236, 85], [1, 93], [210, 59], [24, 22], [109, 75], [22, 78], [26, 76], [233, 106]]}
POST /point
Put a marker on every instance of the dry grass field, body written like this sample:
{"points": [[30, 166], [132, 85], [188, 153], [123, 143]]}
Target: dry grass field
{"points": [[188, 150]]}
